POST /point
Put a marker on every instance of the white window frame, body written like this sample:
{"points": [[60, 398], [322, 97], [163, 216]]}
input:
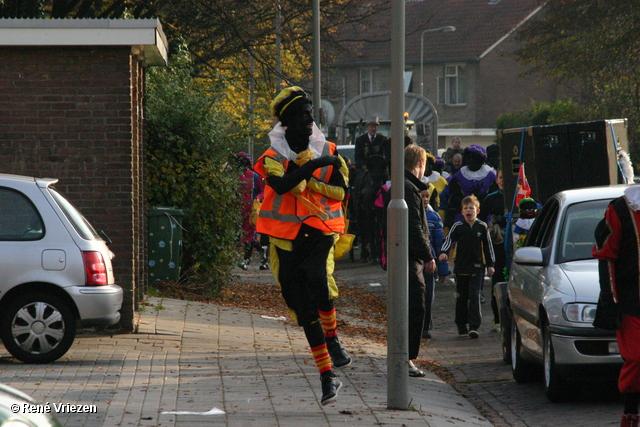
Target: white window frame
{"points": [[365, 76], [452, 86]]}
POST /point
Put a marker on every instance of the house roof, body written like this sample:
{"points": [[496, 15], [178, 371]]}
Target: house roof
{"points": [[480, 26], [145, 36]]}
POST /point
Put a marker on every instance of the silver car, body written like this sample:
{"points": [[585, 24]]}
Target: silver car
{"points": [[11, 398], [552, 293], [56, 271]]}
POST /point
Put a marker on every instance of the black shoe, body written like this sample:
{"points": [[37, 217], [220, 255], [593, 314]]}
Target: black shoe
{"points": [[414, 371], [426, 334], [330, 387], [264, 258], [462, 330], [339, 356], [473, 334]]}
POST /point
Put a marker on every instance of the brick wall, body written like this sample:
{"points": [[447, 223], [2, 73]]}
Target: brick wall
{"points": [[76, 114], [503, 87]]}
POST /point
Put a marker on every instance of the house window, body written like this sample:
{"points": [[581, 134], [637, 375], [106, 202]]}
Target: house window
{"points": [[452, 87], [366, 80], [408, 87]]}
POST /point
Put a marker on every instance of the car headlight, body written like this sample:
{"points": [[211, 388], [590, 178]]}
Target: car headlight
{"points": [[580, 313]]}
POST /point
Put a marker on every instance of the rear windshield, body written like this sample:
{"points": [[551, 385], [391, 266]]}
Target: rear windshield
{"points": [[79, 222], [580, 222]]}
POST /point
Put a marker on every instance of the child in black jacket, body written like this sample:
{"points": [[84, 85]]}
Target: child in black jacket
{"points": [[474, 253]]}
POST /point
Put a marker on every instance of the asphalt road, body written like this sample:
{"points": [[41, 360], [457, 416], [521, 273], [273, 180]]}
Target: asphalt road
{"points": [[481, 375]]}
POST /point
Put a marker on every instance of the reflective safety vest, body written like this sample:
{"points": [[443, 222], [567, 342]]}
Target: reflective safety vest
{"points": [[282, 216]]}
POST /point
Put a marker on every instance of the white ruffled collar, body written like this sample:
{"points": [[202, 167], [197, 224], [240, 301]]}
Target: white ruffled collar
{"points": [[435, 176], [633, 196], [476, 175], [317, 142]]}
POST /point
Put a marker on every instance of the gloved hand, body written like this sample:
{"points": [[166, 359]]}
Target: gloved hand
{"points": [[323, 161]]}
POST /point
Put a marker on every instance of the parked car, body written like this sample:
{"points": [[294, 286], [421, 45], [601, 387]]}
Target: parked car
{"points": [[56, 271], [551, 295], [38, 416]]}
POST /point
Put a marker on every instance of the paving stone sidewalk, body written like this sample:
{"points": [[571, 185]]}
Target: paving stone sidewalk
{"points": [[193, 364]]}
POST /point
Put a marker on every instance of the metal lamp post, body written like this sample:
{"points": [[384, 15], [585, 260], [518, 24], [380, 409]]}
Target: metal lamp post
{"points": [[429, 30], [397, 228], [317, 90]]}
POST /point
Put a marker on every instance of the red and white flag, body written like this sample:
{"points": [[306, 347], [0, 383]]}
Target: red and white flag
{"points": [[523, 190]]}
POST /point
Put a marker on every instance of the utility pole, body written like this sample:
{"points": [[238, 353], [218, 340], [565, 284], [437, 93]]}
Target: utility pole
{"points": [[252, 96], [397, 226], [317, 91], [278, 47]]}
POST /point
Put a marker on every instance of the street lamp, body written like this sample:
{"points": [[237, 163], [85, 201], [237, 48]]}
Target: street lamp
{"points": [[448, 28]]}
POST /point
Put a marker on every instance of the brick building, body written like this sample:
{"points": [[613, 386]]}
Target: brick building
{"points": [[71, 107]]}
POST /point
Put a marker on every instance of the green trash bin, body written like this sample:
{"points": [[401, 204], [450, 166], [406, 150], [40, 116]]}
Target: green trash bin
{"points": [[164, 226]]}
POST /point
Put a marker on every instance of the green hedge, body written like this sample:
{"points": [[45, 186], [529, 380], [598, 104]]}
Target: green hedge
{"points": [[186, 153]]}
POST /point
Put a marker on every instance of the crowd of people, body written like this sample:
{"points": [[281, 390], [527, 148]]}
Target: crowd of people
{"points": [[461, 192]]}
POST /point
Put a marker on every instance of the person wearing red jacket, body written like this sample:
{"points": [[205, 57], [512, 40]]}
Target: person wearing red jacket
{"points": [[616, 248], [302, 213]]}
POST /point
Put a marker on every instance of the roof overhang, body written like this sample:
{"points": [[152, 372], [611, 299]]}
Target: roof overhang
{"points": [[145, 36]]}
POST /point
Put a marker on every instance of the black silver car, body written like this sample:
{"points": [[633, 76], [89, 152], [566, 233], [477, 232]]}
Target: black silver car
{"points": [[551, 295]]}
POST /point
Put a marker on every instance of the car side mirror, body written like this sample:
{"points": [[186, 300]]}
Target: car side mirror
{"points": [[529, 255]]}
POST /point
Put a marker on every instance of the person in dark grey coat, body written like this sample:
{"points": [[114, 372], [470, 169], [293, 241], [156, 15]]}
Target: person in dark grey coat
{"points": [[421, 259]]}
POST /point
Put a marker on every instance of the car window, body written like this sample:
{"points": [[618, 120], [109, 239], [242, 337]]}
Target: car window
{"points": [[549, 225], [542, 228], [79, 222], [19, 218], [577, 239]]}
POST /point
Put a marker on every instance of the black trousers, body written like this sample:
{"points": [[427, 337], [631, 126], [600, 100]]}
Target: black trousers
{"points": [[468, 300], [417, 295], [302, 274]]}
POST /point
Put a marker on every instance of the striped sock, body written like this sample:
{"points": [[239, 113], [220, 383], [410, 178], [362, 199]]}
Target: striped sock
{"points": [[322, 358], [329, 323]]}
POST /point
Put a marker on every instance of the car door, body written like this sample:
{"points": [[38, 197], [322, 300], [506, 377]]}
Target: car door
{"points": [[21, 231], [33, 247], [528, 282]]}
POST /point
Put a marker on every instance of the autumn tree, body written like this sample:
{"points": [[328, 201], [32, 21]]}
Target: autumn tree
{"points": [[594, 43], [241, 39]]}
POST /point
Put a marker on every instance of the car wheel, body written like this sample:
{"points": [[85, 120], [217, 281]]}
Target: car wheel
{"points": [[521, 369], [38, 328], [554, 387]]}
